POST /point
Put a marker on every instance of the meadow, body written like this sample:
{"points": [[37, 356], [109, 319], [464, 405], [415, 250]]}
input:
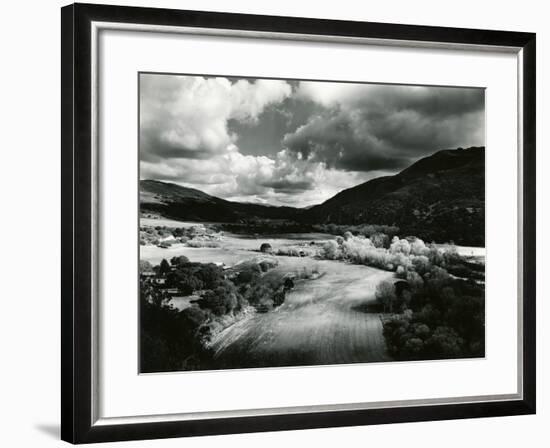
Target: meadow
{"points": [[228, 300]]}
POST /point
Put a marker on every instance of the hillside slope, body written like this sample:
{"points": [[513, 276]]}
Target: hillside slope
{"points": [[440, 197], [177, 202]]}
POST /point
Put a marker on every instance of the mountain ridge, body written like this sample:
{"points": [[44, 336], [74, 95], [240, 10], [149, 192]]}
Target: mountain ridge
{"points": [[440, 197]]}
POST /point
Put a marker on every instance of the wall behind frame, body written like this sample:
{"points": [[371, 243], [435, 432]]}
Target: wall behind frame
{"points": [[30, 198]]}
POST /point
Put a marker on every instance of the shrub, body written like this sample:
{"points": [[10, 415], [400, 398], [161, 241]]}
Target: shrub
{"points": [[385, 295], [268, 291], [224, 299], [266, 248], [247, 273], [185, 282], [414, 280], [331, 250], [164, 267], [421, 264], [267, 264], [400, 246], [445, 342], [288, 251], [380, 240], [307, 272], [414, 347], [210, 274], [418, 247], [199, 242], [179, 260], [145, 266], [435, 255]]}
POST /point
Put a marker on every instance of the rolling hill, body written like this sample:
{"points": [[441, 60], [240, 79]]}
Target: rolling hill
{"points": [[440, 197], [177, 202]]}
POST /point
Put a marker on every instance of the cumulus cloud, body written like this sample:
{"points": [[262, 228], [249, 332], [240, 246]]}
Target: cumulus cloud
{"points": [[303, 141], [186, 116], [371, 127]]}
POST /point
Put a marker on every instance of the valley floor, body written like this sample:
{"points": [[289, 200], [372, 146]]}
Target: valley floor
{"points": [[325, 319], [322, 321]]}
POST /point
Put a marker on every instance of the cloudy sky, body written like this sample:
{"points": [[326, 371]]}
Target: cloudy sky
{"points": [[294, 142]]}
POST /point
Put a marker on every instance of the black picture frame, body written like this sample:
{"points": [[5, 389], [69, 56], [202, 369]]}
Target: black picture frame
{"points": [[76, 233]]}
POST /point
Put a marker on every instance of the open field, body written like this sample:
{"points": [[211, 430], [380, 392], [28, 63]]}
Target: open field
{"points": [[322, 321], [166, 222], [232, 250], [466, 251]]}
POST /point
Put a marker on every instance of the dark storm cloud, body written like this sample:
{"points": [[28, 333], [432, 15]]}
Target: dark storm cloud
{"points": [[332, 139], [367, 127], [289, 186], [155, 147], [264, 136], [295, 143], [436, 102]]}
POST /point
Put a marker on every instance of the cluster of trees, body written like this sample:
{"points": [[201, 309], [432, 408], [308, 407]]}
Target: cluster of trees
{"points": [[378, 251], [266, 227], [281, 226], [297, 251], [440, 317], [381, 233], [193, 236], [435, 314], [170, 339], [179, 340], [261, 289], [436, 301]]}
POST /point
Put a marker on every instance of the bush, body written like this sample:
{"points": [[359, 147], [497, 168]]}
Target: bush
{"points": [[380, 240], [198, 243], [145, 266], [179, 260], [266, 248], [164, 267], [445, 342], [210, 274], [367, 230], [414, 280], [331, 250], [268, 291], [267, 264], [185, 281], [421, 264], [418, 247], [300, 251], [167, 336], [247, 273], [398, 246], [307, 272], [385, 295], [224, 299]]}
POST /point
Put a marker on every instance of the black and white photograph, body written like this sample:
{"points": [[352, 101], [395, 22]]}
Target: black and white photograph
{"points": [[273, 224], [303, 223]]}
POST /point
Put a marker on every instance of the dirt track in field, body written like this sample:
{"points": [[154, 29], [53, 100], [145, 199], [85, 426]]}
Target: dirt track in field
{"points": [[322, 321]]}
